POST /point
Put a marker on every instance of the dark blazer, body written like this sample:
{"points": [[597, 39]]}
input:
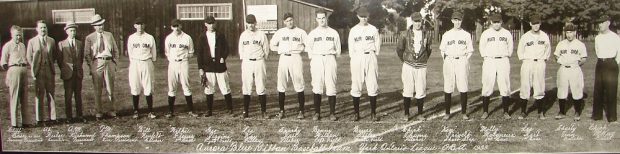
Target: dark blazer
{"points": [[405, 49], [208, 62], [34, 51], [66, 53]]}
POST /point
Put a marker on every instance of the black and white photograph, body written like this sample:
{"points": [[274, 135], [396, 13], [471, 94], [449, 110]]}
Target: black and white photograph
{"points": [[309, 76]]}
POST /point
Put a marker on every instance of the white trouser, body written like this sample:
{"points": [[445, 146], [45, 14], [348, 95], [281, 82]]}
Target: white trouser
{"points": [[141, 77], [222, 82], [414, 80], [178, 72], [290, 68], [455, 72], [364, 70], [570, 78], [253, 72], [533, 76], [324, 69], [492, 69]]}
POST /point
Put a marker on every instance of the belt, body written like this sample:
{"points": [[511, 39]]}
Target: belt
{"points": [[366, 52], [104, 58], [539, 59], [606, 59], [567, 66], [252, 59], [498, 57], [178, 60], [287, 54], [19, 65]]}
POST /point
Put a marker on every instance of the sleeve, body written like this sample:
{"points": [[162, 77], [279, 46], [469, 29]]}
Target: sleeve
{"points": [[275, 40], [400, 46], [58, 55], [583, 51], [308, 43], [87, 51], [115, 47], [483, 44], [224, 45], [520, 48], [166, 46], [510, 43], [337, 45], [442, 45], [153, 49], [470, 45], [265, 45], [30, 54], [557, 53], [130, 43], [618, 49], [199, 52], [240, 47], [377, 42], [351, 42], [4, 60], [304, 37], [547, 47]]}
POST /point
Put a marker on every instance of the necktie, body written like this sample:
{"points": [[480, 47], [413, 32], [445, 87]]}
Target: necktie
{"points": [[101, 44]]}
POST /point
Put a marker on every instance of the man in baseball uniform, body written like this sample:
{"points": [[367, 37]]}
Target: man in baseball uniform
{"points": [[456, 49], [179, 47], [15, 62], [323, 46], [570, 54], [212, 54], [253, 50], [496, 47], [100, 52], [40, 54], [289, 43], [70, 59], [414, 49], [606, 76], [364, 46], [142, 53], [534, 48]]}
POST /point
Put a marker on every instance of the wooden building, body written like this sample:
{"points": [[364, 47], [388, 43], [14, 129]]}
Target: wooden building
{"points": [[120, 14]]}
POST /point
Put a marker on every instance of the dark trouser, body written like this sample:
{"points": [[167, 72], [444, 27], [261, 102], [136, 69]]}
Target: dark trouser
{"points": [[73, 88], [605, 89]]}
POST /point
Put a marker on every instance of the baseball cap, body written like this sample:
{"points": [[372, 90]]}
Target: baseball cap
{"points": [[602, 18], [416, 16], [175, 22], [209, 19], [138, 20], [535, 19], [495, 18], [251, 19], [570, 27], [457, 15], [362, 11], [287, 15]]}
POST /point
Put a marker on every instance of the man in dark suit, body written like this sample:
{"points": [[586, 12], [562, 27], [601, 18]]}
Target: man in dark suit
{"points": [[70, 60], [100, 53], [40, 55], [212, 51]]}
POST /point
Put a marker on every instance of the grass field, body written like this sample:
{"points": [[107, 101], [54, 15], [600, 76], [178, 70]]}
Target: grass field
{"points": [[223, 133]]}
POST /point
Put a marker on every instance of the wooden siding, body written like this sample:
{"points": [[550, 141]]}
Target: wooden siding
{"points": [[303, 14]]}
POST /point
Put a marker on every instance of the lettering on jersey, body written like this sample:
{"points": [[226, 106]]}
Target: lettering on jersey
{"points": [[329, 38], [182, 46], [573, 51], [356, 39], [491, 39], [369, 38], [562, 52], [501, 39], [317, 39], [141, 45], [452, 42], [285, 39], [530, 43], [257, 42], [541, 42], [295, 39]]}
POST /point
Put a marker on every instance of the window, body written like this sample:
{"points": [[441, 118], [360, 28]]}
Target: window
{"points": [[221, 11], [76, 15]]}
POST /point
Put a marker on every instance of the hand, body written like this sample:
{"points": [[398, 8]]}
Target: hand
{"points": [[221, 60], [5, 67], [202, 73], [190, 55], [204, 81]]}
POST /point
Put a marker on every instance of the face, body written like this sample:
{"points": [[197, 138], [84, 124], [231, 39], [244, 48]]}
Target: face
{"points": [[497, 25], [71, 32], [321, 19], [98, 28], [16, 35], [42, 29], [139, 27], [456, 22], [535, 27], [570, 35], [363, 20], [176, 29], [289, 22], [250, 26], [603, 26], [417, 24]]}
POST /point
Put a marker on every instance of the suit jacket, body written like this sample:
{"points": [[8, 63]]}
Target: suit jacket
{"points": [[208, 62], [35, 49], [70, 59], [91, 47]]}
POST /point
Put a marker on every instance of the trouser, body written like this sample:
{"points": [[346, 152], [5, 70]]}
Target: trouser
{"points": [[605, 89], [73, 88], [17, 81]]}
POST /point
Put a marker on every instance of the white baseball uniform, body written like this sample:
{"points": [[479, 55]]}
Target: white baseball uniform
{"points": [[569, 74], [289, 43], [142, 51], [533, 50], [178, 50], [323, 46], [456, 46], [253, 49], [496, 46], [364, 46]]}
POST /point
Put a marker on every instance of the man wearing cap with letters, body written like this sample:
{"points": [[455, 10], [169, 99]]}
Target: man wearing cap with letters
{"points": [[142, 53], [570, 54], [534, 49], [606, 73], [364, 46], [100, 52], [456, 49], [496, 47], [178, 48], [253, 50], [70, 59], [414, 49], [289, 43]]}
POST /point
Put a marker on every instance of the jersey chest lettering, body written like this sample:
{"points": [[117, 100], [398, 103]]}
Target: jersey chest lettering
{"points": [[294, 39], [255, 42], [318, 39], [141, 45], [572, 51], [178, 46], [460, 42], [501, 39], [365, 38]]}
